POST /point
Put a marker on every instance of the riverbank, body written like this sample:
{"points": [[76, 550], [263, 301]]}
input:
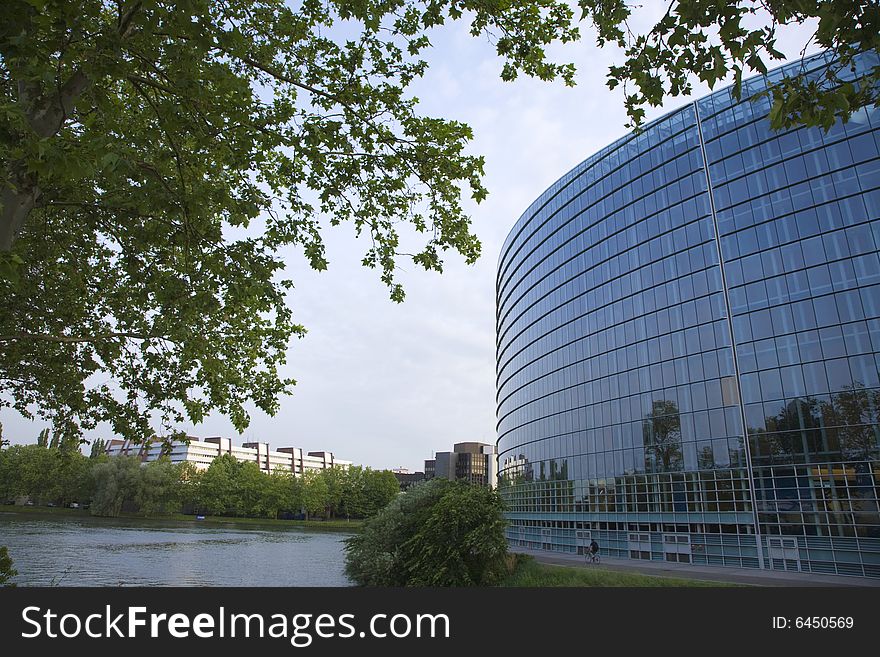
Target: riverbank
{"points": [[44, 511], [528, 572]]}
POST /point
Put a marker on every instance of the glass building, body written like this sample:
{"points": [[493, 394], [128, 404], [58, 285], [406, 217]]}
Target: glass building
{"points": [[688, 345]]}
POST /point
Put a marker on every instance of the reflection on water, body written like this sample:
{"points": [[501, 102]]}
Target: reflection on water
{"points": [[113, 552]]}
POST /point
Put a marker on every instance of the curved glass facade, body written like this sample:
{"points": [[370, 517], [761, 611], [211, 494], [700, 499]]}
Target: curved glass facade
{"points": [[688, 329]]}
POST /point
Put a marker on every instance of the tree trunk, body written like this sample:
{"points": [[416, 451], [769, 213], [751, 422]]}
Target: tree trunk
{"points": [[46, 117], [17, 205]]}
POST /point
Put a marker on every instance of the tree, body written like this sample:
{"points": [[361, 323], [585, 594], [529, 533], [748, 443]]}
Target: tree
{"points": [[158, 488], [353, 502], [99, 449], [277, 496], [295, 494], [661, 431], [73, 474], [187, 486], [5, 474], [45, 474], [30, 470], [7, 572], [217, 492], [334, 477], [380, 487], [116, 482], [253, 488], [364, 492], [315, 493], [855, 410], [710, 39], [157, 156], [438, 533], [461, 543]]}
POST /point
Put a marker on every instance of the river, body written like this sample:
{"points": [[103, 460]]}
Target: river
{"points": [[85, 551]]}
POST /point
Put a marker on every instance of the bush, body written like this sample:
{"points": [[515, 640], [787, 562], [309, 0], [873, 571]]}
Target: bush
{"points": [[7, 572], [438, 533]]}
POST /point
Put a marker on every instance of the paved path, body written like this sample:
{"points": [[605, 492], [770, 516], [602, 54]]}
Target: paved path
{"points": [[708, 573]]}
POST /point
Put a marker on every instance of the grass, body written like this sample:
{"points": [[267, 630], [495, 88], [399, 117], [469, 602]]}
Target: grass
{"points": [[346, 525], [527, 572], [350, 525]]}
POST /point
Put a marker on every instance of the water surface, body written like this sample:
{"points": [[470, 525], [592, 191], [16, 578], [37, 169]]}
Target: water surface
{"points": [[85, 551]]}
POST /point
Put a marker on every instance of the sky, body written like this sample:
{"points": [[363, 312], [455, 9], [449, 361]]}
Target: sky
{"points": [[386, 385]]}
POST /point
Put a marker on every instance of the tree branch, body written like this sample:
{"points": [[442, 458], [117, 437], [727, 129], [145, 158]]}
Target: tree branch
{"points": [[71, 339], [46, 117]]}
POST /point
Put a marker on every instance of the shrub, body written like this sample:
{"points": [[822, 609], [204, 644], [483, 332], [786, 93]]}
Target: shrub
{"points": [[438, 533], [7, 572]]}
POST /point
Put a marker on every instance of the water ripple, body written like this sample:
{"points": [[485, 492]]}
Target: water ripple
{"points": [[102, 552]]}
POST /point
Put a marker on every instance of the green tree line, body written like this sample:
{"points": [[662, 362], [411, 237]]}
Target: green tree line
{"points": [[57, 472]]}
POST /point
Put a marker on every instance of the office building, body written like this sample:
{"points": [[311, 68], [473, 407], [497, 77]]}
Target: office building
{"points": [[688, 344], [200, 452], [405, 478], [475, 463]]}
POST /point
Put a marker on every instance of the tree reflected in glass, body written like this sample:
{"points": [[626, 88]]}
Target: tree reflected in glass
{"points": [[661, 430]]}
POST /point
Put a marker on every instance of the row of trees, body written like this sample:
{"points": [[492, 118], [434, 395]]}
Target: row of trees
{"points": [[58, 473], [52, 471]]}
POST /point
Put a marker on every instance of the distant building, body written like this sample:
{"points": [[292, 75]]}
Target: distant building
{"points": [[405, 478], [200, 452], [472, 462]]}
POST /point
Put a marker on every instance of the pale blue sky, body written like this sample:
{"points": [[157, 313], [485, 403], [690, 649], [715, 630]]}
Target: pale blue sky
{"points": [[383, 384]]}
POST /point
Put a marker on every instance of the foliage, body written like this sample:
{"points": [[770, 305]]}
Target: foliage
{"points": [[7, 572], [252, 486], [229, 487], [379, 488], [117, 481], [846, 420], [315, 493], [27, 470], [57, 475], [364, 491], [158, 489], [711, 39], [189, 479], [661, 432], [98, 449], [371, 555], [438, 533], [216, 490], [461, 542], [158, 155], [278, 494], [334, 479]]}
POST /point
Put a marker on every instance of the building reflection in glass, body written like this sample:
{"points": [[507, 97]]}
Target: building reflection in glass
{"points": [[688, 354]]}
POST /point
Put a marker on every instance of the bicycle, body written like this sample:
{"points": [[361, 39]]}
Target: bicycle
{"points": [[591, 557]]}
